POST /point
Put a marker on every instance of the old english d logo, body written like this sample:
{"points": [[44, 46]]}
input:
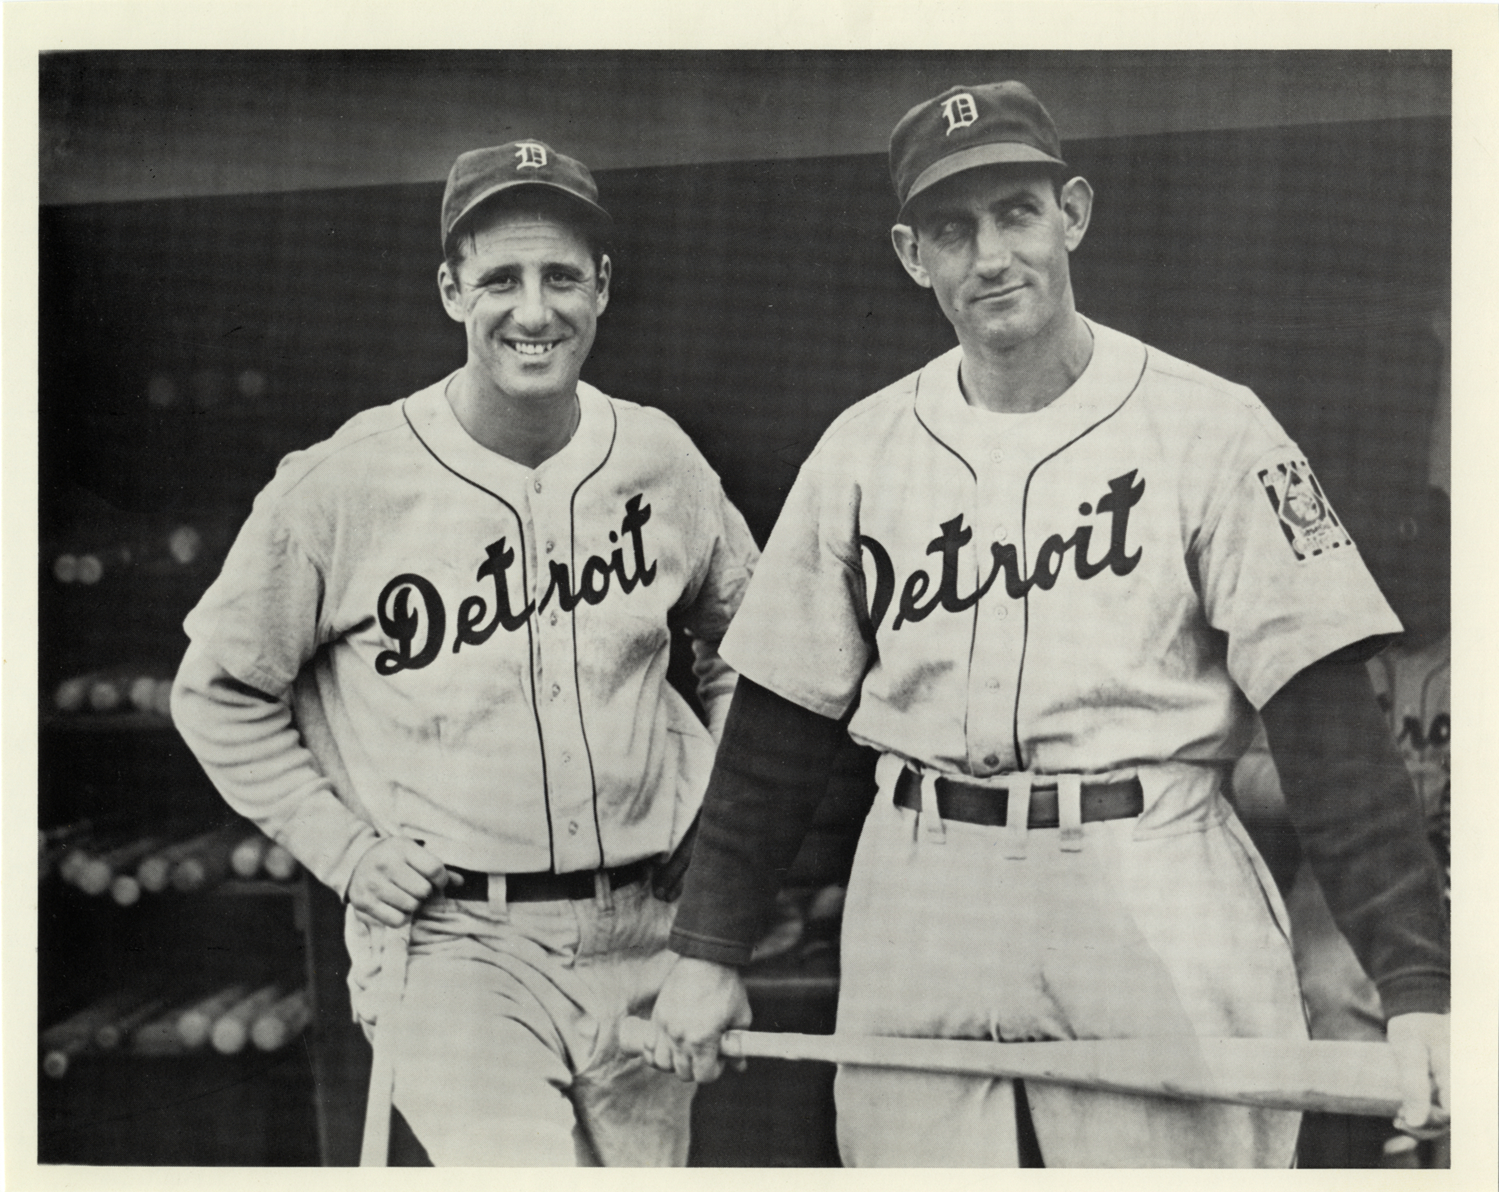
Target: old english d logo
{"points": [[530, 156], [1306, 518], [960, 111]]}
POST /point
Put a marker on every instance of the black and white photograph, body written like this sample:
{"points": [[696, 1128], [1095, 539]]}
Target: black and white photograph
{"points": [[750, 605]]}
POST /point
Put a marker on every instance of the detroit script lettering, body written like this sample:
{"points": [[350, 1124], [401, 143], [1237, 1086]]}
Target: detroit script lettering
{"points": [[1123, 495], [477, 620]]}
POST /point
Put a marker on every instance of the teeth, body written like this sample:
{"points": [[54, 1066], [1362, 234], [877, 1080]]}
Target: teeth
{"points": [[530, 349]]}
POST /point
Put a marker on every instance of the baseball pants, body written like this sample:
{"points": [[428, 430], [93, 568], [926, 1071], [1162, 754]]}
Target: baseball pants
{"points": [[1167, 925], [505, 1039]]}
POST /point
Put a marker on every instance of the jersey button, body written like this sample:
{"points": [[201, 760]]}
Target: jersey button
{"points": [[551, 546], [554, 618], [996, 455], [992, 684], [1001, 610], [572, 827], [536, 484], [556, 690], [992, 760], [566, 757]]}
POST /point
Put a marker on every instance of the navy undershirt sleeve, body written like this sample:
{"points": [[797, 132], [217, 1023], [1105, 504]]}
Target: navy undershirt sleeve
{"points": [[770, 775], [1356, 814]]}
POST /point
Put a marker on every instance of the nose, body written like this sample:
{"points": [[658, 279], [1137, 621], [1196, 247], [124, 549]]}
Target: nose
{"points": [[531, 312], [991, 249]]}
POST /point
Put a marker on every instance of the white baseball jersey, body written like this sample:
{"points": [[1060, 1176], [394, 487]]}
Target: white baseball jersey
{"points": [[1105, 587], [1117, 578], [478, 648]]}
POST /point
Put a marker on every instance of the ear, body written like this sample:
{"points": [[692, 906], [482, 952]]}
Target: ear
{"points": [[903, 237], [1077, 210], [606, 271], [452, 297]]}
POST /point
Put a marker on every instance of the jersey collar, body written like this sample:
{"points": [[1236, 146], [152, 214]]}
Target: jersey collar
{"points": [[1111, 376], [443, 435]]}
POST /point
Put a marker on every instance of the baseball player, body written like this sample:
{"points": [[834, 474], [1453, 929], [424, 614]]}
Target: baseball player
{"points": [[1051, 576], [434, 669]]}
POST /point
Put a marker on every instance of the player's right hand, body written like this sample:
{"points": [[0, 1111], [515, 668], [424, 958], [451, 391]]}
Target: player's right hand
{"points": [[393, 878], [698, 1002]]}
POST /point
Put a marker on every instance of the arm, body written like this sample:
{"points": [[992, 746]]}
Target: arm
{"points": [[249, 747], [1350, 798], [771, 771]]}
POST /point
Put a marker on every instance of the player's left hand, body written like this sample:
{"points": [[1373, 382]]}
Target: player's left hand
{"points": [[1422, 1056]]}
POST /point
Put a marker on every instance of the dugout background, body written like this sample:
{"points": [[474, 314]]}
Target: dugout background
{"points": [[753, 299]]}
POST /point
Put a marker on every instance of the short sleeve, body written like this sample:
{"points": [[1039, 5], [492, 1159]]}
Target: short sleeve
{"points": [[729, 554], [259, 618], [1282, 578], [802, 630]]}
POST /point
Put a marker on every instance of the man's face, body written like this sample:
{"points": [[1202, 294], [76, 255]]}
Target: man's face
{"points": [[529, 296], [992, 244]]}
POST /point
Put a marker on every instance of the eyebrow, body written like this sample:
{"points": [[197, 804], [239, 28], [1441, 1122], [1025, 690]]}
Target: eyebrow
{"points": [[499, 272]]}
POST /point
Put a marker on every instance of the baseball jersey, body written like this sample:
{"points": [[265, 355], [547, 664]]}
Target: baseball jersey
{"points": [[1120, 577], [476, 651]]}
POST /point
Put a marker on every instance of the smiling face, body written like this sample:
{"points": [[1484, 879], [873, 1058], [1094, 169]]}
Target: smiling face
{"points": [[529, 293], [992, 243]]}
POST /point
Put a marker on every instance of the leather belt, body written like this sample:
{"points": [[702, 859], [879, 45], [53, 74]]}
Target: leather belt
{"points": [[546, 887], [968, 803]]}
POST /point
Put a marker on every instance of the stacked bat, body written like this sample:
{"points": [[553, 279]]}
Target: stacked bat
{"points": [[127, 859], [116, 689], [177, 548], [149, 1019]]}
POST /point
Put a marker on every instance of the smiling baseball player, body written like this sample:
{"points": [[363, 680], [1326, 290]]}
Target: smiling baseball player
{"points": [[434, 669], [1053, 574]]}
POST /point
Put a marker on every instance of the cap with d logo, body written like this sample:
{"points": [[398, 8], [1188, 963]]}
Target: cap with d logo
{"points": [[966, 127], [481, 174]]}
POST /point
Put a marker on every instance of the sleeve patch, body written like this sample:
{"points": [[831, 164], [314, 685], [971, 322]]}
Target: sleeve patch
{"points": [[1305, 515]]}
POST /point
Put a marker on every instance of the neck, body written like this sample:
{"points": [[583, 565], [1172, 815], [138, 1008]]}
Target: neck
{"points": [[1028, 376], [527, 432]]}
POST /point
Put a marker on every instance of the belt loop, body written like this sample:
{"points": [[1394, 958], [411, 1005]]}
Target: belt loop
{"points": [[1070, 811], [603, 892], [498, 893], [1017, 815], [931, 815]]}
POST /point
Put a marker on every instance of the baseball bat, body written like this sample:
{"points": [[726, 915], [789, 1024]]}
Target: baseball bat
{"points": [[232, 1030], [374, 1149], [208, 864], [114, 1032], [158, 1036], [283, 1022], [73, 1036], [247, 855], [1308, 1075], [81, 853], [194, 1023], [100, 870], [279, 863], [155, 872]]}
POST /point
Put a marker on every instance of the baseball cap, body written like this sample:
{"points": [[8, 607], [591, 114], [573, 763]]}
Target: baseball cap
{"points": [[481, 174], [965, 127]]}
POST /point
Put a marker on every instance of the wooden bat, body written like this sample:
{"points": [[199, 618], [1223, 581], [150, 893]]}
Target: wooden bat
{"points": [[283, 1022], [194, 1023], [247, 855], [231, 1031], [1318, 1076], [374, 1149]]}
